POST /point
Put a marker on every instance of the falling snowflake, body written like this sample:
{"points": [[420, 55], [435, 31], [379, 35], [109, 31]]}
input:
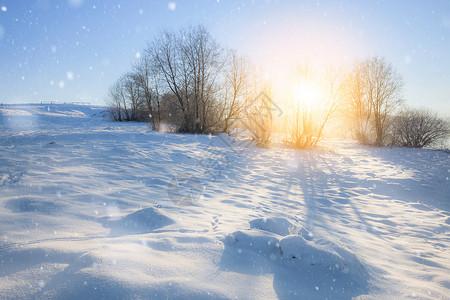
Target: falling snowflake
{"points": [[172, 5]]}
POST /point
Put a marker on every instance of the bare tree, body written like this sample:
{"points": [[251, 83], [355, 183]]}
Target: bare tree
{"points": [[258, 112], [130, 84], [333, 87], [358, 109], [419, 128], [167, 58], [118, 101], [302, 128], [237, 93], [115, 102], [205, 63], [148, 78], [375, 95]]}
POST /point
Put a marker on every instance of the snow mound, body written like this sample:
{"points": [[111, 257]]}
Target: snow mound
{"points": [[319, 253], [275, 225], [140, 222], [263, 243], [301, 269], [298, 250]]}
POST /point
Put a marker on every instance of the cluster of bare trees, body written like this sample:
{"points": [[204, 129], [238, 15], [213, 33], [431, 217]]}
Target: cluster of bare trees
{"points": [[185, 79], [374, 95], [367, 99], [377, 112]]}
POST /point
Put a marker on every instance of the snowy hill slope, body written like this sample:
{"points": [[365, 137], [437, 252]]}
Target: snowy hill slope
{"points": [[95, 209]]}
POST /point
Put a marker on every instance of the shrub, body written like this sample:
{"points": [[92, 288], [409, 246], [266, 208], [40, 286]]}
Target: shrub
{"points": [[419, 128]]}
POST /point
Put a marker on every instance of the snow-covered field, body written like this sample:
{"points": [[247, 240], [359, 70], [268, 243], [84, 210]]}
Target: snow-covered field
{"points": [[95, 209]]}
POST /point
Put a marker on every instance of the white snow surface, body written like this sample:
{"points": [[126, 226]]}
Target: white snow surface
{"points": [[94, 209]]}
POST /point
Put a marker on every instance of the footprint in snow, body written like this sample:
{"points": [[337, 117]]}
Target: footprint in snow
{"points": [[215, 223]]}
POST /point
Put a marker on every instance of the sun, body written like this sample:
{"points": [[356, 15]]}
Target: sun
{"points": [[306, 93]]}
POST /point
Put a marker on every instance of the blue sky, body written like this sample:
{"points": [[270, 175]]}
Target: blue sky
{"points": [[74, 50]]}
